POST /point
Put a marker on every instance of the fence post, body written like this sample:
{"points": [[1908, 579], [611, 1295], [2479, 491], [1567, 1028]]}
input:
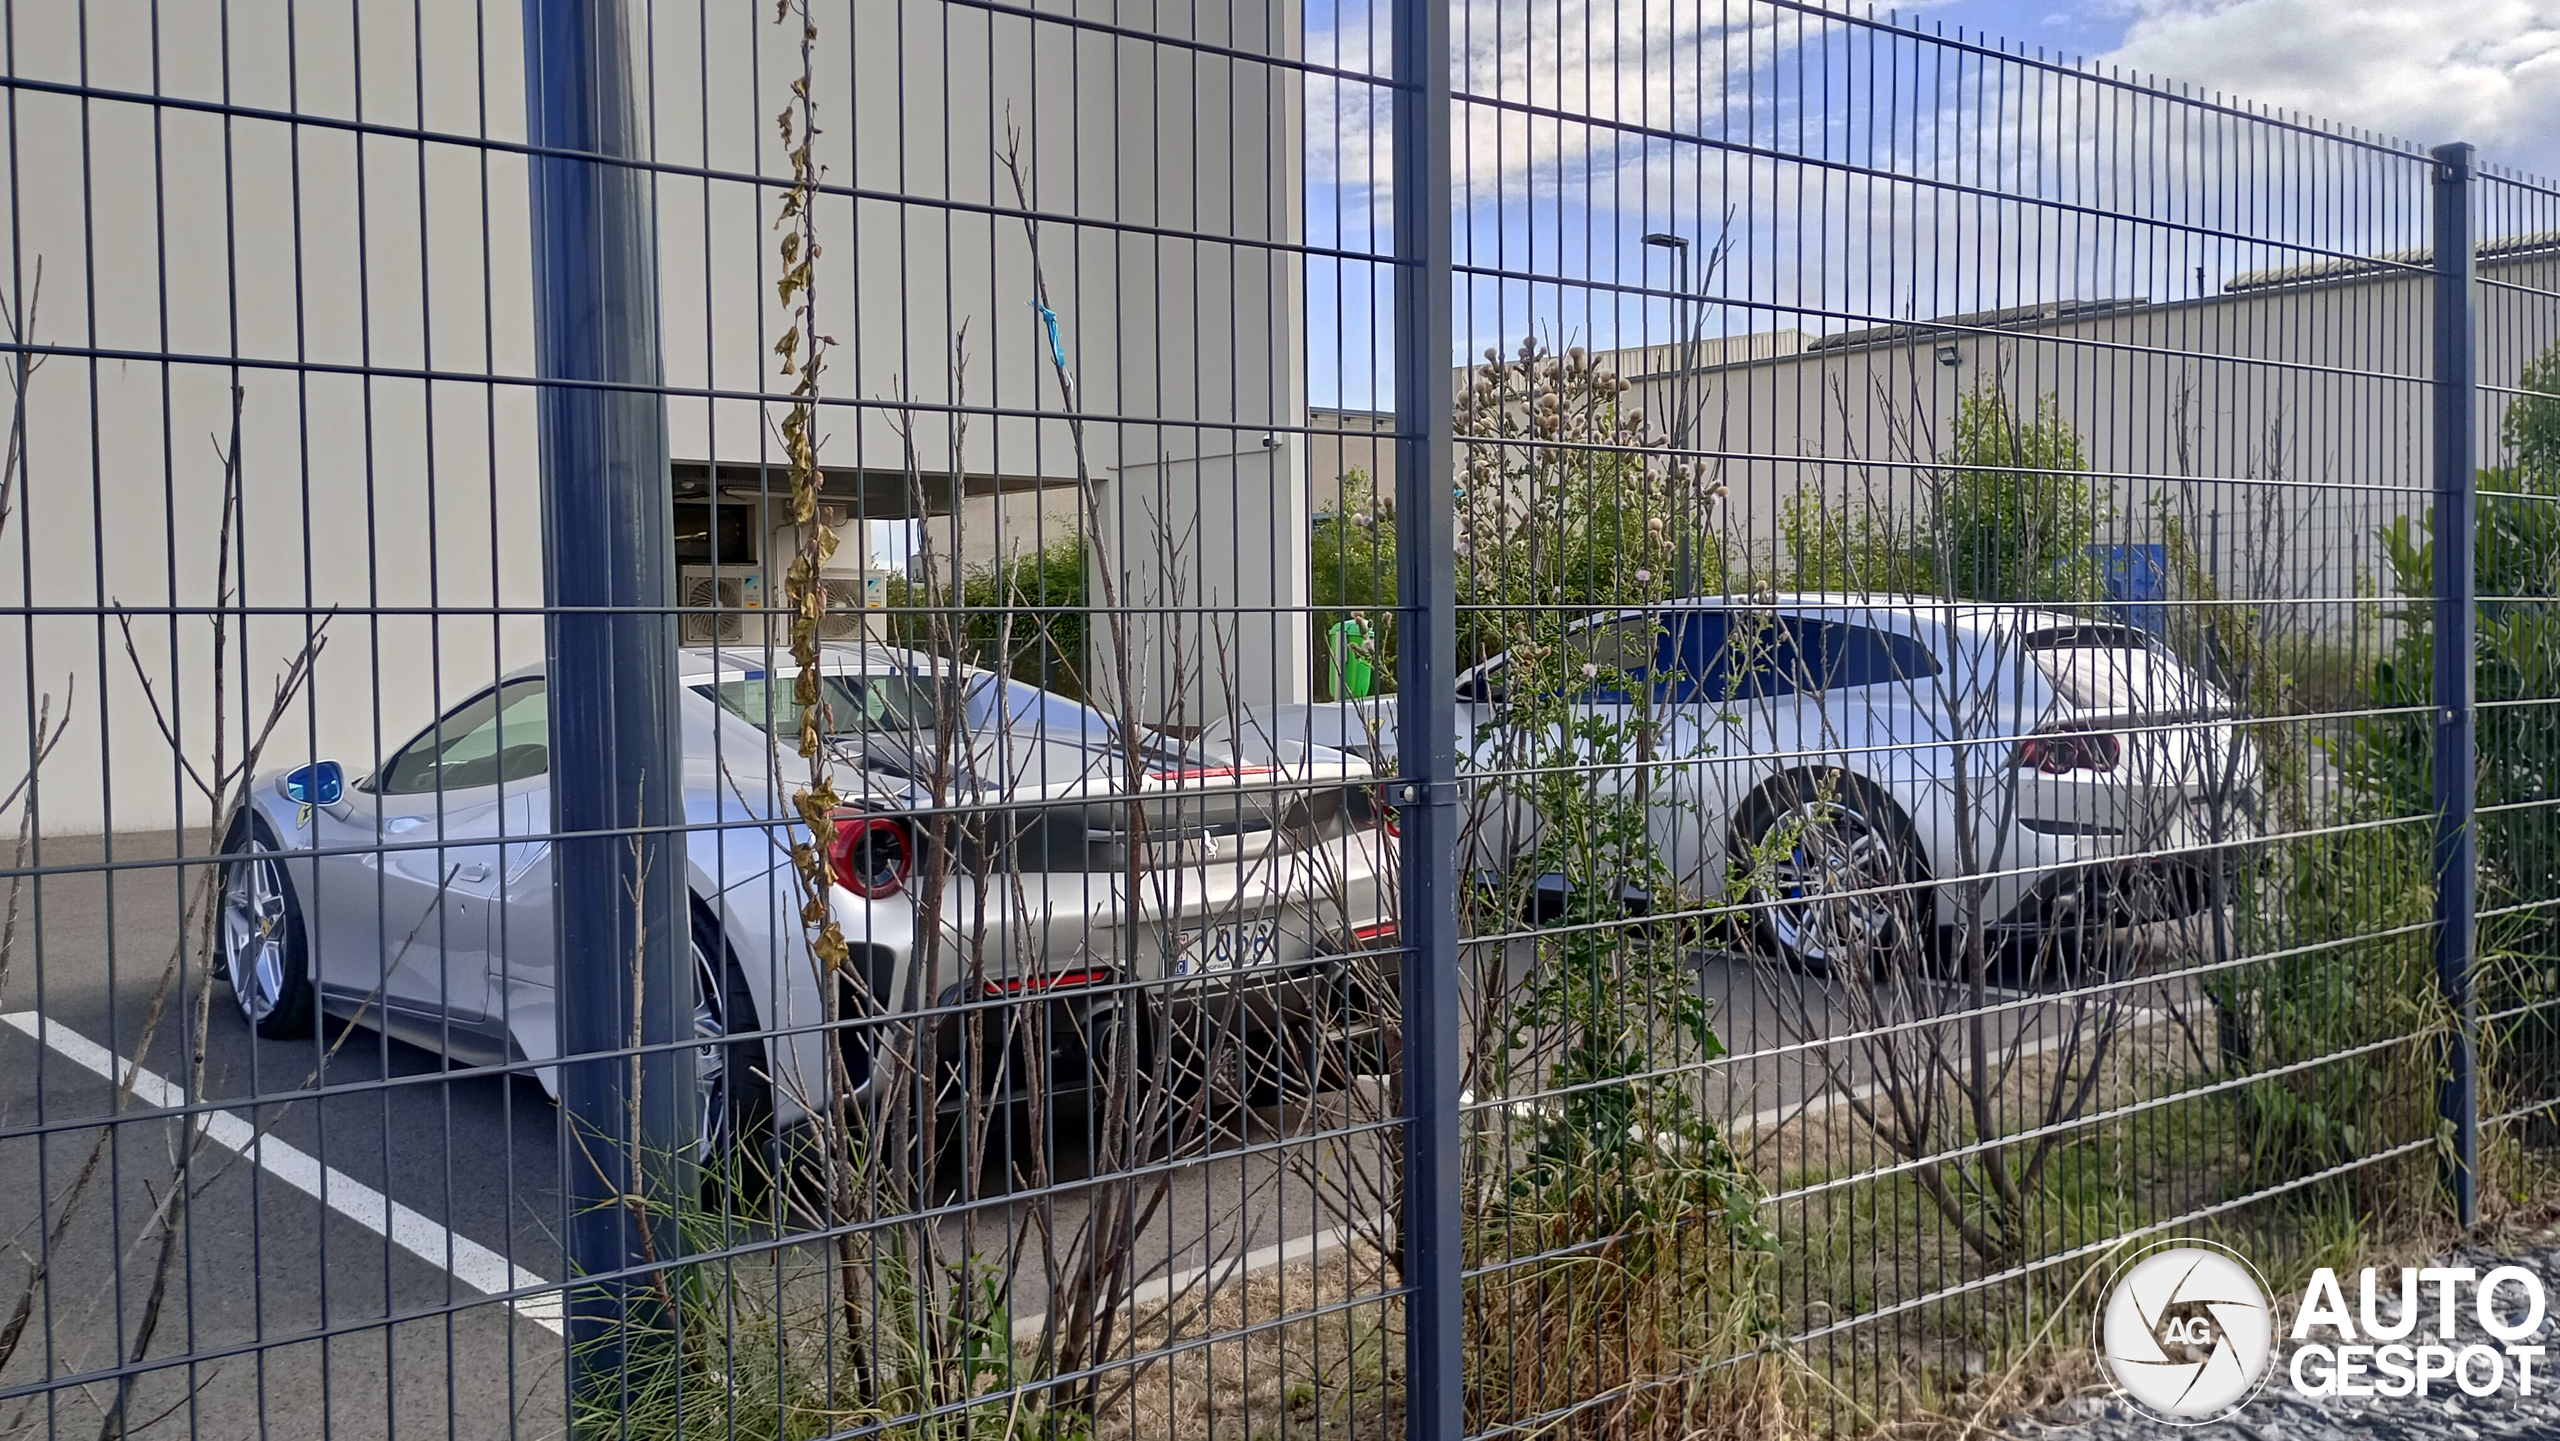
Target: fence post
{"points": [[2456, 840], [608, 554], [1426, 720]]}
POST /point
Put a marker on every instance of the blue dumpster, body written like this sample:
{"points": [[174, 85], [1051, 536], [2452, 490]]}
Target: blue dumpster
{"points": [[2137, 578]]}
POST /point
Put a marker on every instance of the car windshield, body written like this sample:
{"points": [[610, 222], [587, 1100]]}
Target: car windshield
{"points": [[854, 704]]}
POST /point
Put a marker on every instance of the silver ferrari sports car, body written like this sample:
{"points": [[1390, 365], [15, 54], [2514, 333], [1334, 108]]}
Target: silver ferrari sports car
{"points": [[417, 899], [2108, 779]]}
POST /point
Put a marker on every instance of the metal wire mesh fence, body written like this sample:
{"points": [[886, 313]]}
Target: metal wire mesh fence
{"points": [[980, 719], [2506, 600]]}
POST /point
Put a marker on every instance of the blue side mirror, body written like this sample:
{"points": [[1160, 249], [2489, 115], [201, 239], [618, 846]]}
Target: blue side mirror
{"points": [[316, 785]]}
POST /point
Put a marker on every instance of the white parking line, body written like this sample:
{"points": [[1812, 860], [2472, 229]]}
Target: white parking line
{"points": [[489, 1273], [473, 1265], [1309, 1247]]}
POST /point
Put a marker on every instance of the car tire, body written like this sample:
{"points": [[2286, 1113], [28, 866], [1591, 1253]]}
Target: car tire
{"points": [[1826, 833], [265, 955], [733, 1112], [1132, 1089]]}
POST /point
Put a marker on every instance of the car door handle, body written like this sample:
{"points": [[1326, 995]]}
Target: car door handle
{"points": [[472, 871]]}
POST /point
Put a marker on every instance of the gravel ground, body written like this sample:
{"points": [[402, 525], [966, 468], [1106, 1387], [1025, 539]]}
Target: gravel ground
{"points": [[2280, 1414]]}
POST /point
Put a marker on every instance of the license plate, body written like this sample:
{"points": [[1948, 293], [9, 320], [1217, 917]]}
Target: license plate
{"points": [[1225, 948]]}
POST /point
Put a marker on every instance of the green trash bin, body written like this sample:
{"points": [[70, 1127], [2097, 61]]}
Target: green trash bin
{"points": [[1347, 644]]}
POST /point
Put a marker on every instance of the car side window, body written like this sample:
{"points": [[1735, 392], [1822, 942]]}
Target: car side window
{"points": [[1865, 655], [1695, 663], [1829, 655], [496, 736], [1789, 654], [1702, 657], [1758, 658], [1626, 645]]}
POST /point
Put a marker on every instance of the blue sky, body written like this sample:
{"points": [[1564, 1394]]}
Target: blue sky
{"points": [[1828, 245], [2066, 29]]}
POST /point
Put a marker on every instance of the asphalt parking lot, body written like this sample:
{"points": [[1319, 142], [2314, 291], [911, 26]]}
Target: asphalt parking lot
{"points": [[340, 1250], [320, 1317]]}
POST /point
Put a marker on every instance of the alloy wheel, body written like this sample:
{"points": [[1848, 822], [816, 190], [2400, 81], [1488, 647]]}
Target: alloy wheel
{"points": [[1833, 889], [711, 1118], [253, 931]]}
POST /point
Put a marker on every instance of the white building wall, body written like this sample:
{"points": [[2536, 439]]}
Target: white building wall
{"points": [[403, 505], [2283, 426]]}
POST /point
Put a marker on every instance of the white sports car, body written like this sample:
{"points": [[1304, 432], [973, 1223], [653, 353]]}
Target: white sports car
{"points": [[1820, 738], [417, 899]]}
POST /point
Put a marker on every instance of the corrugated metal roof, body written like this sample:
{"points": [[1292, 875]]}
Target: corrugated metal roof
{"points": [[2342, 267], [2010, 318], [1649, 362]]}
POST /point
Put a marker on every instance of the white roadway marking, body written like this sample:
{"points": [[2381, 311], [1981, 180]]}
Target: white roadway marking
{"points": [[489, 1273], [468, 1262], [1319, 1243]]}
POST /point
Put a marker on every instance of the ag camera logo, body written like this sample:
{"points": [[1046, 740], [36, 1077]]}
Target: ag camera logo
{"points": [[2186, 1332]]}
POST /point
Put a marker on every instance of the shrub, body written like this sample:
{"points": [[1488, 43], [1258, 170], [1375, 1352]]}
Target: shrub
{"points": [[1619, 1241], [2013, 521], [1867, 551], [1025, 616], [1565, 502], [2010, 520], [2531, 426], [2386, 759], [2352, 968]]}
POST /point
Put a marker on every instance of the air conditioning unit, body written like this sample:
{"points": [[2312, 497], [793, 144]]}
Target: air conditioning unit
{"points": [[856, 602], [713, 598]]}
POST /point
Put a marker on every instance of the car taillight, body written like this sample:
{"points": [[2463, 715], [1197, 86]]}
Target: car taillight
{"points": [[2061, 752], [1383, 933], [1212, 773], [871, 856], [1050, 981]]}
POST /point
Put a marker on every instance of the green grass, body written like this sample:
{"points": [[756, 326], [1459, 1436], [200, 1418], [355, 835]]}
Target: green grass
{"points": [[1878, 1244]]}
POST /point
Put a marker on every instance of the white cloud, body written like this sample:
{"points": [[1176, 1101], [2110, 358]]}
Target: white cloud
{"points": [[1985, 182], [2486, 71], [1547, 86]]}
